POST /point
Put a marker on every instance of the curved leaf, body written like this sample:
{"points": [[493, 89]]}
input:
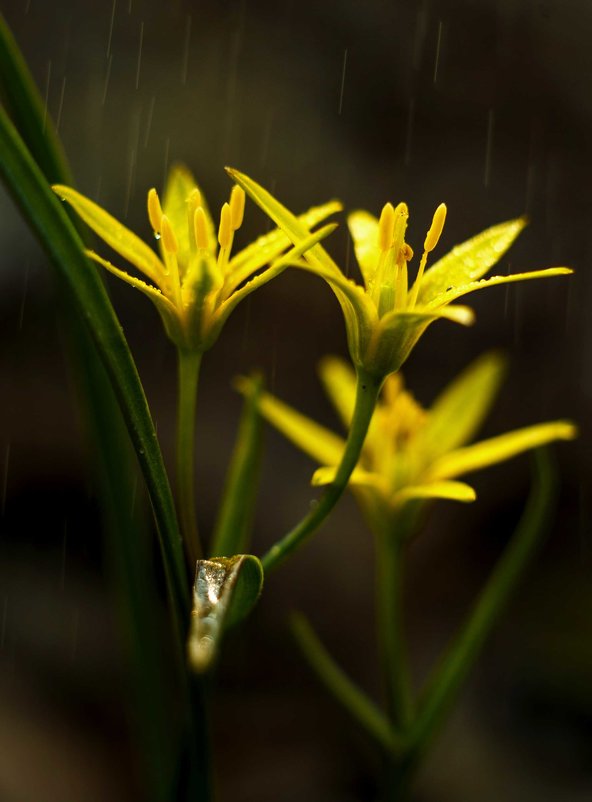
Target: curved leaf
{"points": [[225, 591]]}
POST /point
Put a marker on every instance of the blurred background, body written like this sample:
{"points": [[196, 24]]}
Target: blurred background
{"points": [[486, 106]]}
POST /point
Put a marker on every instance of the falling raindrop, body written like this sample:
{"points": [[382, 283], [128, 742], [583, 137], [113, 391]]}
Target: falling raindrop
{"points": [[343, 69], [140, 54], [488, 147], [110, 37], [5, 478], [61, 104], [46, 102], [107, 76], [438, 48], [185, 67]]}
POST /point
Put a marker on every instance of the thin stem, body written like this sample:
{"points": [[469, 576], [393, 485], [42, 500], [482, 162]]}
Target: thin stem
{"points": [[390, 629], [367, 390], [189, 364]]}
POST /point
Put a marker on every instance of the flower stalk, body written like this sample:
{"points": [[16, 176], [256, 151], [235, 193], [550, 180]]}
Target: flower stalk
{"points": [[189, 363], [367, 393]]}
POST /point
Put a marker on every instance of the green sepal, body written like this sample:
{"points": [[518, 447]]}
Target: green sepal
{"points": [[225, 591]]}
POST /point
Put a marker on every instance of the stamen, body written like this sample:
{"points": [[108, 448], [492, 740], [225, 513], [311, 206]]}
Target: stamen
{"points": [[435, 230], [386, 227], [430, 243], [200, 229], [193, 201], [169, 239], [237, 207], [154, 211], [225, 231]]}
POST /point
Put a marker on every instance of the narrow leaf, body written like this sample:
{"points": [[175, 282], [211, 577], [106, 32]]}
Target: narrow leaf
{"points": [[353, 699], [58, 236], [444, 685], [232, 530]]}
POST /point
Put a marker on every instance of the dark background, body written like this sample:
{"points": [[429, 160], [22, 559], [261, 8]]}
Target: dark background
{"points": [[484, 105]]}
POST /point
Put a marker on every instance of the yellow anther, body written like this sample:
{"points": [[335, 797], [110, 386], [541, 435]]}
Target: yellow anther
{"points": [[169, 240], [237, 207], [386, 227], [200, 228], [154, 211], [435, 230], [225, 230]]}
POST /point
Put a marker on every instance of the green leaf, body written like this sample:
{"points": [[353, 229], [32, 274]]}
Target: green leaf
{"points": [[353, 699], [225, 591], [460, 409], [444, 685], [232, 530], [469, 261], [63, 246]]}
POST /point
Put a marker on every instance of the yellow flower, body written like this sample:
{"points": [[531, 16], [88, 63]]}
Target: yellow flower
{"points": [[195, 283], [386, 316], [410, 453]]}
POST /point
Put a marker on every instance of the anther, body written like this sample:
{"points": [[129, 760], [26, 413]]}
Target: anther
{"points": [[237, 207], [200, 228], [225, 230], [169, 239], [386, 227], [154, 211], [435, 230]]}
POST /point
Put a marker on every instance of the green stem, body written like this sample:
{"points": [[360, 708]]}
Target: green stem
{"points": [[367, 391], [390, 629], [189, 365]]}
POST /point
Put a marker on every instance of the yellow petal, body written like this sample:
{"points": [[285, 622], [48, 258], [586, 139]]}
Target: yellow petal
{"points": [[359, 478], [316, 441], [363, 228], [339, 381], [120, 238], [455, 491], [295, 229], [469, 261], [274, 270], [153, 293], [460, 409], [179, 185], [499, 449], [464, 289], [267, 247]]}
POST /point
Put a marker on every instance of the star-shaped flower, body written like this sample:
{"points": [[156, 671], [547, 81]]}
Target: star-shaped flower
{"points": [[385, 317], [195, 283], [410, 453]]}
